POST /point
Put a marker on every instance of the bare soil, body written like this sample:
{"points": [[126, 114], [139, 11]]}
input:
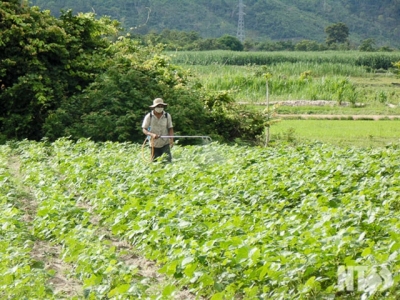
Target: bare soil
{"points": [[297, 103], [44, 252]]}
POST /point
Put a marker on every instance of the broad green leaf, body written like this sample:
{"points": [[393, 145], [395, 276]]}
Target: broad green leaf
{"points": [[366, 252], [168, 290], [218, 296], [119, 290]]}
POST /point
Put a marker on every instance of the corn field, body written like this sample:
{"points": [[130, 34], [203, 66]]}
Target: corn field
{"points": [[293, 75]]}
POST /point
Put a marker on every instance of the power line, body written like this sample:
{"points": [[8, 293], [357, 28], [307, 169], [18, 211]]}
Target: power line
{"points": [[240, 30]]}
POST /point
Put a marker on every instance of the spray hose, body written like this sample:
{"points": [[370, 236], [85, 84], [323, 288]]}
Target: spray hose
{"points": [[151, 142]]}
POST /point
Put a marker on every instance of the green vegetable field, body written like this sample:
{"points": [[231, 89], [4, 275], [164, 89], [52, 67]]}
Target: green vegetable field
{"points": [[220, 222]]}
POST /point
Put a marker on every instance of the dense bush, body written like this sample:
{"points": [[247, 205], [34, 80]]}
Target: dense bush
{"points": [[233, 122], [44, 60], [113, 106], [71, 80]]}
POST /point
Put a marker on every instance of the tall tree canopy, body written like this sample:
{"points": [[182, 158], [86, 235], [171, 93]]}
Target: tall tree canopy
{"points": [[44, 60], [337, 34]]}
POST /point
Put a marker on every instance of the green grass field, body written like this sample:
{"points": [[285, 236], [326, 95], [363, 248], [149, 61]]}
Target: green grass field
{"points": [[375, 94], [362, 133], [338, 76], [367, 79]]}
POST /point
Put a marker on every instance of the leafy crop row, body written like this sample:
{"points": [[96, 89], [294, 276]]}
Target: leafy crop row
{"points": [[100, 265], [224, 221], [20, 275]]}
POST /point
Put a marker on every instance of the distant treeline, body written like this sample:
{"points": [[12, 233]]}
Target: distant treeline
{"points": [[175, 40]]}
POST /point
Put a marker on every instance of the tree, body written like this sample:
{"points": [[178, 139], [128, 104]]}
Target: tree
{"points": [[231, 43], [30, 42], [306, 45], [337, 34], [43, 61], [67, 77], [367, 45], [112, 107]]}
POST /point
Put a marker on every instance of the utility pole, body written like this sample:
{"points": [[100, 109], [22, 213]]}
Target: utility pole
{"points": [[240, 29]]}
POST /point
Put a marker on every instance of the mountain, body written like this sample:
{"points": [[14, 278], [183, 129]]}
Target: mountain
{"points": [[263, 20]]}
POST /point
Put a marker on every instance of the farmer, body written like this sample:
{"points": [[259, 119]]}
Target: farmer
{"points": [[158, 123]]}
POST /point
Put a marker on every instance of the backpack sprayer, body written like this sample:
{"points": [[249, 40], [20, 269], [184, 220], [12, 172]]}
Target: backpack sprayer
{"points": [[151, 139], [205, 138]]}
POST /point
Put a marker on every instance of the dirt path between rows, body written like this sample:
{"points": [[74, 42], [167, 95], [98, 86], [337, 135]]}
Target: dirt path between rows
{"points": [[44, 251], [338, 117]]}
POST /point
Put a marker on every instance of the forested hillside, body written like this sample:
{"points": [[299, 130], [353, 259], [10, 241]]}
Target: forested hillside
{"points": [[264, 19]]}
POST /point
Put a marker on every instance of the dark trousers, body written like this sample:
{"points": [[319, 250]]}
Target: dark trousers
{"points": [[158, 152]]}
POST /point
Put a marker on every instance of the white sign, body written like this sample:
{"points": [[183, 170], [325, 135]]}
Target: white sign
{"points": [[369, 279]]}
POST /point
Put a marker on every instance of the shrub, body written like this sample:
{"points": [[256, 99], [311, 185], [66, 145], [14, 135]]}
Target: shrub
{"points": [[112, 108]]}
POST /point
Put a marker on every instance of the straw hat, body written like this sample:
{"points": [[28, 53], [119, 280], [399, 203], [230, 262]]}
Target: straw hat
{"points": [[158, 101]]}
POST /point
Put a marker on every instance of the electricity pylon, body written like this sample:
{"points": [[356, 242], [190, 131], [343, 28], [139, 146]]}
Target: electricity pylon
{"points": [[240, 29]]}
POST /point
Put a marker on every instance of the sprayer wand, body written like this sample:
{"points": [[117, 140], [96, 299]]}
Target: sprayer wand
{"points": [[203, 137], [151, 142]]}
